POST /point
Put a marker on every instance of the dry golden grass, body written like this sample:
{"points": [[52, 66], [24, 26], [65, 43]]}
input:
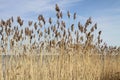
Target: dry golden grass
{"points": [[59, 51], [67, 66]]}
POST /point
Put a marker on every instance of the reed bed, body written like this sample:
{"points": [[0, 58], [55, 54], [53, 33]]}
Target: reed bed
{"points": [[62, 67], [56, 50]]}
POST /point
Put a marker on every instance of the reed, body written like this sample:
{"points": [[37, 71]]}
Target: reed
{"points": [[56, 51]]}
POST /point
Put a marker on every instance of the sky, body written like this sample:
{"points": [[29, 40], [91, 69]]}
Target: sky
{"points": [[106, 13]]}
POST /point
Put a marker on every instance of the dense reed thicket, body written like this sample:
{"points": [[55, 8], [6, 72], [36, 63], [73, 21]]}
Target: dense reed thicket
{"points": [[55, 50]]}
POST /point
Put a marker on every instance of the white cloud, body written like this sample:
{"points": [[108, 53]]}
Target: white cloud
{"points": [[20, 7]]}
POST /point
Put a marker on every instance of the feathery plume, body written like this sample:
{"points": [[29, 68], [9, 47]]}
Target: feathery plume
{"points": [[68, 13], [57, 8], [40, 24], [35, 26], [61, 14], [30, 23], [72, 27], [50, 20], [95, 25], [74, 16], [99, 32]]}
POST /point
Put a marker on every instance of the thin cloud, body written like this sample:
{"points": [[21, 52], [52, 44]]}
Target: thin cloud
{"points": [[18, 7]]}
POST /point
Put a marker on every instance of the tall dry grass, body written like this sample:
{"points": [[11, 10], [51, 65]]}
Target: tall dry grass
{"points": [[57, 52], [62, 67]]}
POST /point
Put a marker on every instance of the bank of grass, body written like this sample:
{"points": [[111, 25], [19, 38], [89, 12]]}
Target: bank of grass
{"points": [[79, 48], [67, 66]]}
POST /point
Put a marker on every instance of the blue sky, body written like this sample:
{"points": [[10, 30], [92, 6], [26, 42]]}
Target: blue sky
{"points": [[105, 12]]}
